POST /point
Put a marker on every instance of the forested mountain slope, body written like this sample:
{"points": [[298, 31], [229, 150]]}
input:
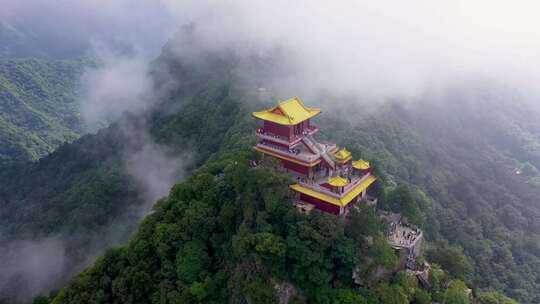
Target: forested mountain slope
{"points": [[228, 235], [249, 243], [84, 192], [462, 161], [472, 153], [458, 165], [39, 109]]}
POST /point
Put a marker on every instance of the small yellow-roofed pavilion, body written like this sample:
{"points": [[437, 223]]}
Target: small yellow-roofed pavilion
{"points": [[343, 155], [338, 181], [341, 202], [288, 112], [361, 164]]}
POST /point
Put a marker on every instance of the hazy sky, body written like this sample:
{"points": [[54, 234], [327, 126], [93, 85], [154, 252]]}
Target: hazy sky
{"points": [[377, 48], [382, 48], [68, 27]]}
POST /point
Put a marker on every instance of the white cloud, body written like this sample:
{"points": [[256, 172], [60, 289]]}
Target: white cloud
{"points": [[382, 48], [119, 84]]}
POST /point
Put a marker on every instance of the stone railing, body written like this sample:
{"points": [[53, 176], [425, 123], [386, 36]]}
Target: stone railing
{"points": [[355, 182], [283, 139], [274, 138], [315, 185], [300, 156]]}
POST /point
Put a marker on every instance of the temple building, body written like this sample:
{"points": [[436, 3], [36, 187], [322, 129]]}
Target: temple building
{"points": [[327, 177]]}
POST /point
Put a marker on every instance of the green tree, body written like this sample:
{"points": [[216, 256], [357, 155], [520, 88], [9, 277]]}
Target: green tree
{"points": [[493, 297], [391, 294], [348, 296], [452, 259], [259, 292], [402, 200], [192, 262], [456, 293], [382, 252], [421, 296], [363, 222]]}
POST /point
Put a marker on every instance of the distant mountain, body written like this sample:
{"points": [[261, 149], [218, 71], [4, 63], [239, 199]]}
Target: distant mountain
{"points": [[24, 39], [83, 195], [39, 106], [472, 154]]}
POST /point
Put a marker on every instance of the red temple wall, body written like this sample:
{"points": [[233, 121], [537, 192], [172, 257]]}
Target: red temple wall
{"points": [[322, 205], [286, 131], [327, 186], [277, 129], [295, 167], [298, 128]]}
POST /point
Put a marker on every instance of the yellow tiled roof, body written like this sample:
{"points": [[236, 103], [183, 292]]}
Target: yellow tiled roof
{"points": [[361, 164], [342, 154], [338, 181], [288, 112], [342, 202]]}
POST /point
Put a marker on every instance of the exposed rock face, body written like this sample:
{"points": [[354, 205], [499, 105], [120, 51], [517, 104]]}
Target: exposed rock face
{"points": [[285, 292], [406, 239], [371, 277]]}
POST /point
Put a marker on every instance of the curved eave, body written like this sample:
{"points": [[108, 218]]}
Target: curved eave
{"points": [[342, 161], [338, 182], [340, 202], [342, 155], [361, 165], [284, 120]]}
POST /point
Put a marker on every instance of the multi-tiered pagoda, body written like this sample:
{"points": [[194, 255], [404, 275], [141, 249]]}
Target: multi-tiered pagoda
{"points": [[327, 177]]}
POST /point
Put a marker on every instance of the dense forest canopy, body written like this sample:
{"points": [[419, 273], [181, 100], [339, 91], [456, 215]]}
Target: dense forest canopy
{"points": [[465, 159], [175, 263], [227, 234], [40, 106]]}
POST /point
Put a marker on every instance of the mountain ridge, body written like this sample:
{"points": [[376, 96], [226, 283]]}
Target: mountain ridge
{"points": [[40, 106]]}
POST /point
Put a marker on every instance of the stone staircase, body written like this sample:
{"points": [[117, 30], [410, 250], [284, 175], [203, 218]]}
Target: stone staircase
{"points": [[312, 146], [316, 147]]}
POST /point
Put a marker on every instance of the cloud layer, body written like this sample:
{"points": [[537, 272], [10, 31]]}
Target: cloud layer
{"points": [[378, 49], [375, 50], [35, 264]]}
